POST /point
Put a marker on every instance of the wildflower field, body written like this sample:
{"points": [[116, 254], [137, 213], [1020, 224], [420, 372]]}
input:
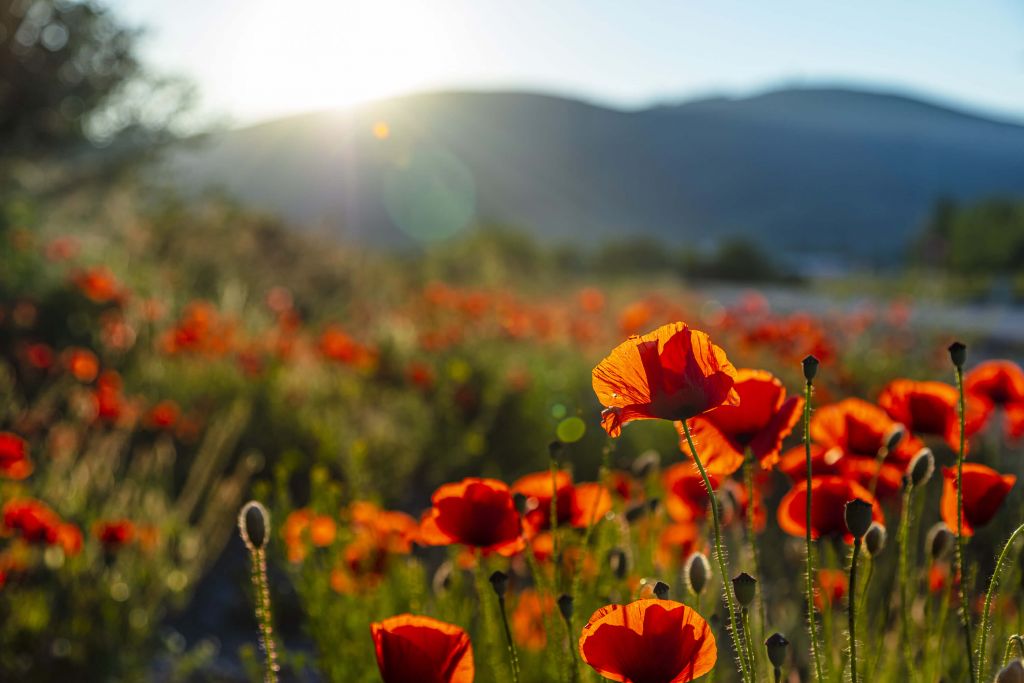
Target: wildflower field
{"points": [[465, 475]]}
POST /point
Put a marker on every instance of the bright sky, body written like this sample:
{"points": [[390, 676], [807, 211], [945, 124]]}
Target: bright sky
{"points": [[258, 59]]}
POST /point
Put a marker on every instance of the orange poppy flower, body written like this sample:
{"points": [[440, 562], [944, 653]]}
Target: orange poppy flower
{"points": [[415, 649], [676, 542], [82, 364], [14, 460], [69, 538], [830, 495], [931, 408], [97, 284], [163, 415], [887, 477], [833, 585], [527, 619], [793, 463], [578, 506], [686, 499], [1000, 383], [854, 426], [984, 491], [475, 512], [763, 418], [672, 373], [648, 641]]}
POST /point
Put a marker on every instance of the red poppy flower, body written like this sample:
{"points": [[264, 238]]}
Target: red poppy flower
{"points": [[763, 418], [164, 415], [36, 522], [479, 513], [114, 534], [1001, 383], [97, 284], [886, 477], [577, 505], [855, 426], [676, 542], [672, 373], [14, 460], [984, 491], [648, 641], [527, 619], [793, 463], [833, 585], [830, 496], [686, 499], [414, 649], [931, 408]]}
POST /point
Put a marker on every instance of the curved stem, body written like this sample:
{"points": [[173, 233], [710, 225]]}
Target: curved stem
{"points": [[993, 587], [723, 568], [965, 609], [852, 610], [263, 614], [811, 622]]}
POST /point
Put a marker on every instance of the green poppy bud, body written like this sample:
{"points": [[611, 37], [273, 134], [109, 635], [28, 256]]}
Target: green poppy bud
{"points": [[921, 467], [958, 354], [777, 645], [939, 541], [697, 571], [565, 606], [661, 590], [254, 525], [499, 581], [858, 517], [745, 587], [810, 365], [874, 539]]}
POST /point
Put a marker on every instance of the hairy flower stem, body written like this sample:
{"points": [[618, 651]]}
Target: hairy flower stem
{"points": [[993, 588], [554, 523], [852, 609], [1010, 642], [748, 477], [263, 614], [513, 655], [965, 608], [903, 574], [723, 569], [811, 621]]}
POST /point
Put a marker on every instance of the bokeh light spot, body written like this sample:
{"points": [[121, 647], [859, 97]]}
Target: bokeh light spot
{"points": [[432, 197], [381, 130], [571, 429]]}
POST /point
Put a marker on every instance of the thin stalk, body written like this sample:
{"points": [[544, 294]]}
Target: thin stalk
{"points": [[748, 642], [554, 523], [748, 476], [993, 587], [264, 615], [723, 569], [903, 580], [512, 654], [1010, 642], [778, 674], [965, 609], [575, 670], [852, 610], [811, 622]]}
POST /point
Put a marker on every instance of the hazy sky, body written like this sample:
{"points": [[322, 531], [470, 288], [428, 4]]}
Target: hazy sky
{"points": [[256, 59]]}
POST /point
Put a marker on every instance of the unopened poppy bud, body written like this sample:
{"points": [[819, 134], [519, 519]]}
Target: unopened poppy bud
{"points": [[653, 504], [921, 467], [661, 590], [874, 539], [499, 582], [939, 541], [958, 354], [777, 645], [697, 571], [745, 587], [1011, 673], [637, 511], [565, 606], [618, 562], [442, 580], [555, 450], [253, 523], [894, 437], [810, 364], [645, 463], [858, 517], [522, 502]]}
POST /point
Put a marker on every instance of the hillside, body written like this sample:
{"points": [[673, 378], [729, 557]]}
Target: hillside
{"points": [[824, 171]]}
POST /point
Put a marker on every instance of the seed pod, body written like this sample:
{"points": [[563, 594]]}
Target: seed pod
{"points": [[921, 467], [874, 539], [499, 581], [858, 517], [939, 541], [565, 606], [777, 645], [810, 365], [958, 354], [254, 525], [745, 587], [1011, 673], [661, 590], [697, 571]]}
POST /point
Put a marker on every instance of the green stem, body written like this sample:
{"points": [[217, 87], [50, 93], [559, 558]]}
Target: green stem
{"points": [[748, 642], [723, 569], [554, 524], [263, 615], [811, 621], [575, 670], [993, 587], [512, 654], [965, 608], [903, 541], [748, 476], [852, 609]]}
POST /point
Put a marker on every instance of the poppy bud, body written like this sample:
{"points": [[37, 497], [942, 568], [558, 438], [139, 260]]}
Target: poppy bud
{"points": [[565, 606], [939, 541], [499, 581], [522, 502], [858, 517], [894, 437], [921, 467], [618, 562], [637, 511], [654, 504], [555, 450], [442, 580], [661, 590], [874, 539], [253, 523], [745, 587], [810, 364], [958, 354], [1011, 673], [776, 646], [645, 463], [697, 571]]}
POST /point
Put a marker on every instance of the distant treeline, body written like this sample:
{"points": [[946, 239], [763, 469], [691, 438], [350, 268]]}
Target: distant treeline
{"points": [[982, 238]]}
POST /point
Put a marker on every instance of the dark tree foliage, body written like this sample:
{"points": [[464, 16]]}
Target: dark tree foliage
{"points": [[983, 238]]}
